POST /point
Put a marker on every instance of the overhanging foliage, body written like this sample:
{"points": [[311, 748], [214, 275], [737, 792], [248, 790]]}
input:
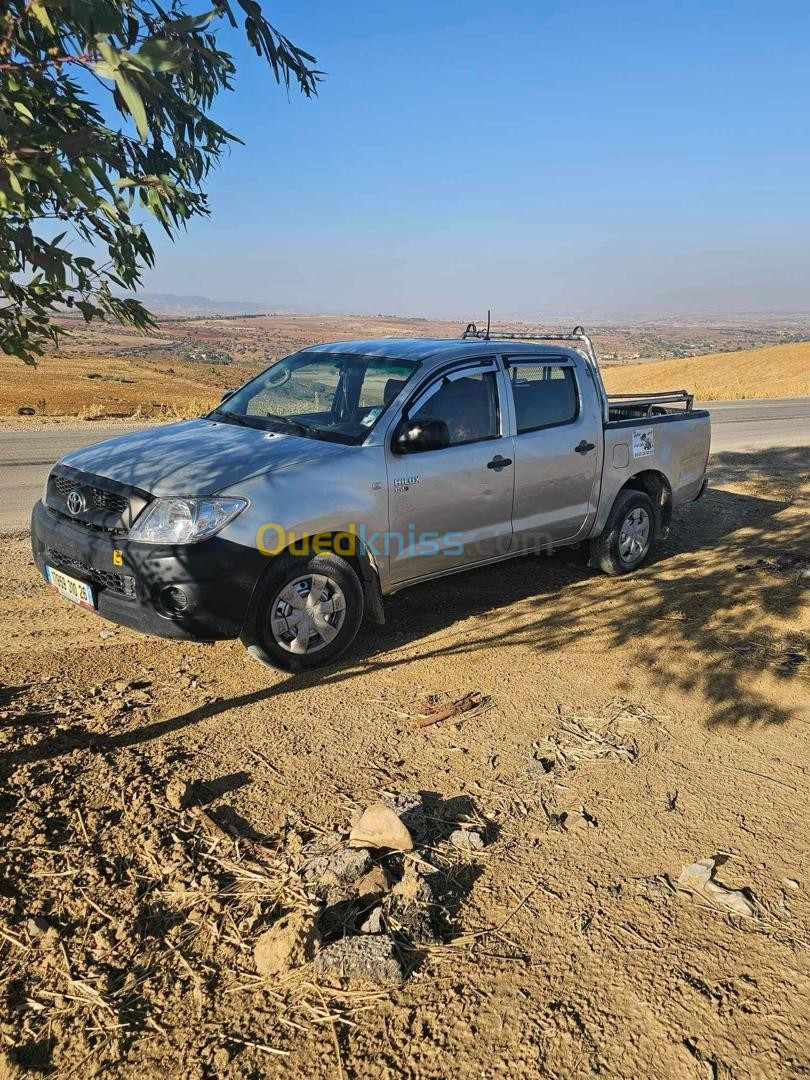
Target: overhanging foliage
{"points": [[61, 162]]}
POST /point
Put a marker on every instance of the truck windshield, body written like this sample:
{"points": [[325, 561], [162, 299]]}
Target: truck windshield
{"points": [[334, 396]]}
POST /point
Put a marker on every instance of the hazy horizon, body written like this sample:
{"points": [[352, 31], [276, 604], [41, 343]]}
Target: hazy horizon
{"points": [[621, 162], [250, 305]]}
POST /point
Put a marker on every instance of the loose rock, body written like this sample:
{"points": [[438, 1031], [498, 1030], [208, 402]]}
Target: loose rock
{"points": [[369, 959], [288, 943], [376, 882], [374, 923], [380, 827], [698, 878], [179, 794], [466, 839], [339, 867], [411, 908], [37, 926]]}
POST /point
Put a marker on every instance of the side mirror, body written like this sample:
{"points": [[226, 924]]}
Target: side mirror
{"points": [[226, 394], [413, 436]]}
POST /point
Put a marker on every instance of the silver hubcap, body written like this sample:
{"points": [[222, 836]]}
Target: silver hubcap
{"points": [[307, 613], [634, 538]]}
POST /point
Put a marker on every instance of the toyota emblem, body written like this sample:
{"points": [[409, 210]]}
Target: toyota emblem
{"points": [[76, 502]]}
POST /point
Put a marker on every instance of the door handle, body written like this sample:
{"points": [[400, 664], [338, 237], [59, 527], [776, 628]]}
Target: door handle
{"points": [[584, 447], [499, 463]]}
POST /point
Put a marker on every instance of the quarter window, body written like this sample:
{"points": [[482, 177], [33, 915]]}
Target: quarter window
{"points": [[545, 395], [468, 405]]}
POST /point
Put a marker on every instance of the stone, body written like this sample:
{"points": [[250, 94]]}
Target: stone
{"points": [[220, 1059], [374, 922], [380, 827], [340, 867], [367, 959], [466, 840], [415, 886], [410, 907], [374, 883], [37, 926], [179, 794], [288, 944]]}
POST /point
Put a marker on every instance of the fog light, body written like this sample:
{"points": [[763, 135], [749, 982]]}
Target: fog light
{"points": [[173, 599]]}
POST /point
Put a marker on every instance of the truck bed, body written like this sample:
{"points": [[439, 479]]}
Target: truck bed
{"points": [[640, 406]]}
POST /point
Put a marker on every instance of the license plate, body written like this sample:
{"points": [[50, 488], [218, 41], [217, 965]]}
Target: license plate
{"points": [[71, 588]]}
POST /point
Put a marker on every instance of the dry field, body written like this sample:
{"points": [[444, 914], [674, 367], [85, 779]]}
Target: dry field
{"points": [[94, 386], [179, 369], [773, 372], [632, 727]]}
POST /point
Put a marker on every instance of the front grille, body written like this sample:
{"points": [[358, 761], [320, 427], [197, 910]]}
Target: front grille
{"points": [[123, 584], [98, 498]]}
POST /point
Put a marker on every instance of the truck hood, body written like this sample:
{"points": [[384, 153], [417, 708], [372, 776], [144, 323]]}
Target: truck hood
{"points": [[195, 457]]}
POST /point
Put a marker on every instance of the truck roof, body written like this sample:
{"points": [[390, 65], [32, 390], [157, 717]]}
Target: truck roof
{"points": [[421, 349]]}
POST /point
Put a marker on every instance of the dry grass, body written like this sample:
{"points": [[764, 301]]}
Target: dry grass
{"points": [[772, 372], [95, 386]]}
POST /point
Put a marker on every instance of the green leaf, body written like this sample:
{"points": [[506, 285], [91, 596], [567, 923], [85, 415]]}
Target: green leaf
{"points": [[134, 103]]}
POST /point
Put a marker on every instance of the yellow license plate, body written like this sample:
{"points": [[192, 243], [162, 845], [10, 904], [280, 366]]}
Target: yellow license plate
{"points": [[71, 588]]}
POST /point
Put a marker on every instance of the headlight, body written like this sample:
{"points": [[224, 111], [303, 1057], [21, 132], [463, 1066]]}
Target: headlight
{"points": [[45, 490], [184, 521]]}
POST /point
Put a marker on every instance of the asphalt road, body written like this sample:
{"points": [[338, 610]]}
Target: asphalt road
{"points": [[26, 456]]}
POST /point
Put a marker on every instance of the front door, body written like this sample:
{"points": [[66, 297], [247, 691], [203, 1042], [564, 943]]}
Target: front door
{"points": [[558, 437], [452, 507]]}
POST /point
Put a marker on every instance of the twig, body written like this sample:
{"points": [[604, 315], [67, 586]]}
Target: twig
{"points": [[264, 761], [750, 772], [265, 1049], [467, 703], [81, 823], [335, 1040]]}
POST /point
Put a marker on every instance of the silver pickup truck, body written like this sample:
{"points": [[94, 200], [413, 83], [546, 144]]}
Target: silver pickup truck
{"points": [[348, 471]]}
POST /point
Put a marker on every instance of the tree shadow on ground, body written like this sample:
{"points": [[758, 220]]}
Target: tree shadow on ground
{"points": [[697, 622]]}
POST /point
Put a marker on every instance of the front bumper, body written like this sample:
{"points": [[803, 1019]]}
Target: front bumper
{"points": [[217, 576]]}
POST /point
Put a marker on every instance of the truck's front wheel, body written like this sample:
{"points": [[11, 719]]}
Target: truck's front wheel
{"points": [[628, 535], [305, 613]]}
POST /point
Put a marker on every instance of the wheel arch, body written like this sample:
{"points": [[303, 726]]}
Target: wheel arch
{"points": [[655, 484], [347, 546]]}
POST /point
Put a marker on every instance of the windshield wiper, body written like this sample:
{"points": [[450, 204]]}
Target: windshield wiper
{"points": [[258, 421], [235, 418], [299, 425]]}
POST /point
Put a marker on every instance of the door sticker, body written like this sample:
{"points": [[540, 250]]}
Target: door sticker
{"points": [[643, 443]]}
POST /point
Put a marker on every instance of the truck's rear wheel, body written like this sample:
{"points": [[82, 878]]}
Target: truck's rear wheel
{"points": [[305, 613], [628, 535]]}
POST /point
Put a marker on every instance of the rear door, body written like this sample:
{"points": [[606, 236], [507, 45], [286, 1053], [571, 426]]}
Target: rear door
{"points": [[558, 443], [452, 507]]}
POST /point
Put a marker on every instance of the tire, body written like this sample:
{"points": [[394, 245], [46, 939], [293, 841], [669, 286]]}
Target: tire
{"points": [[620, 549], [277, 635]]}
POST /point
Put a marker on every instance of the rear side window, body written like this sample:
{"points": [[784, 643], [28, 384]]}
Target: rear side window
{"points": [[545, 395]]}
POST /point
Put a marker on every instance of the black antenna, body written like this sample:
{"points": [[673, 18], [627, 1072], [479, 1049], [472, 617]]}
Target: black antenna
{"points": [[489, 321]]}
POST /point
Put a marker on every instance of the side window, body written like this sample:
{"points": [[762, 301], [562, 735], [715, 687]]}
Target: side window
{"points": [[545, 395], [468, 405]]}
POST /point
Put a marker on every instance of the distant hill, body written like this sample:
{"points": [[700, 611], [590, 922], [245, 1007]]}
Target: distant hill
{"points": [[774, 371], [169, 304]]}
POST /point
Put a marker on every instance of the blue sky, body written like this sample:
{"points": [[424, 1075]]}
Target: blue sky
{"points": [[582, 158]]}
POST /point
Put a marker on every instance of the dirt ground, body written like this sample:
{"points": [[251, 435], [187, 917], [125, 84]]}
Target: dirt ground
{"points": [[633, 727]]}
